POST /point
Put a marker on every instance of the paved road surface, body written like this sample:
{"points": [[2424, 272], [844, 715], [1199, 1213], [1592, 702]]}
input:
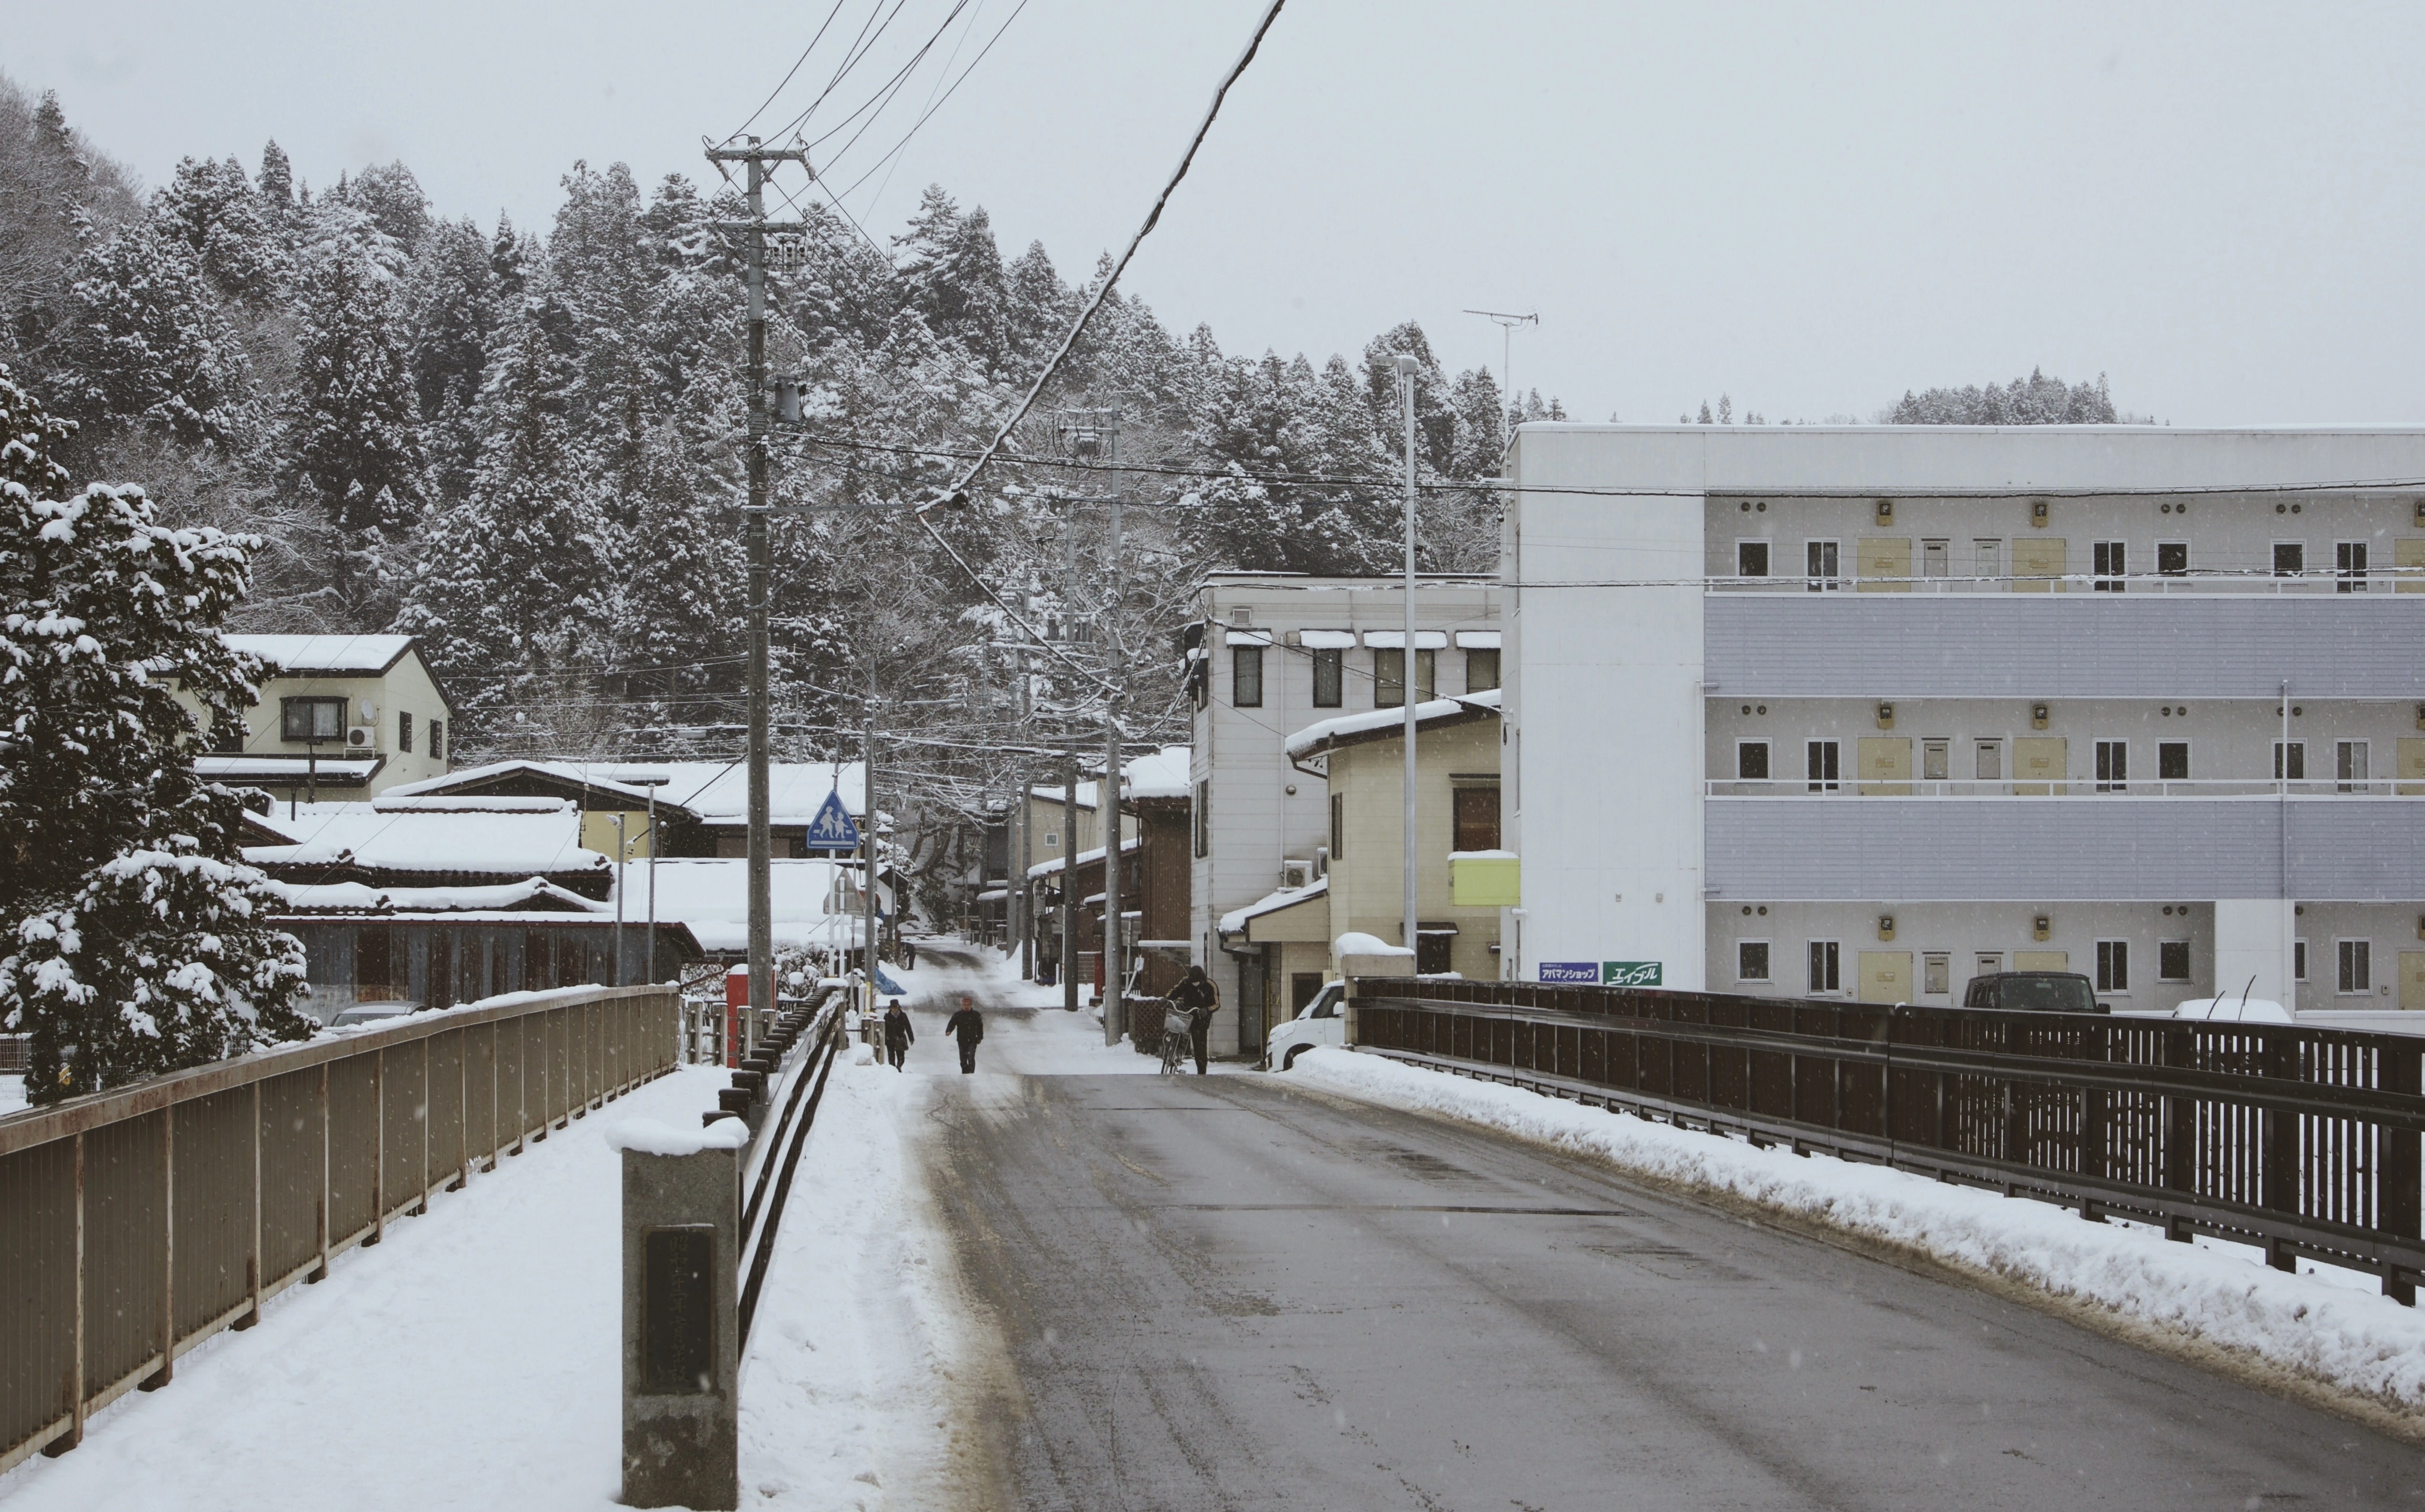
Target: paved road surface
{"points": [[1231, 1293]]}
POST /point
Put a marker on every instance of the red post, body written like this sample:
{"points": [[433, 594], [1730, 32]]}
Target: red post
{"points": [[736, 998]]}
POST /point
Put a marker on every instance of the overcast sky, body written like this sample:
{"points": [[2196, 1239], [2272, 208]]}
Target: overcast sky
{"points": [[1813, 208]]}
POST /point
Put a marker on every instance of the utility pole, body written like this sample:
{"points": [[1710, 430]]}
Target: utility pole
{"points": [[867, 800], [754, 158], [1406, 683], [1069, 881], [1108, 796], [1506, 324], [1024, 857]]}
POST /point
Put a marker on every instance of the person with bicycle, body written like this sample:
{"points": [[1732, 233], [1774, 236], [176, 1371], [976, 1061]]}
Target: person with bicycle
{"points": [[1199, 997]]}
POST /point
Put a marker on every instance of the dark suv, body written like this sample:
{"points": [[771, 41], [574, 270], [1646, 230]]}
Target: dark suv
{"points": [[2033, 993]]}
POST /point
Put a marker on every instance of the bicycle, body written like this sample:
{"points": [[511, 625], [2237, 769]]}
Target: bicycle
{"points": [[1178, 1039]]}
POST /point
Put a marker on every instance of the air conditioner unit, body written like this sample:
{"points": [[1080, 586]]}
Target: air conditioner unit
{"points": [[358, 738], [1296, 873]]}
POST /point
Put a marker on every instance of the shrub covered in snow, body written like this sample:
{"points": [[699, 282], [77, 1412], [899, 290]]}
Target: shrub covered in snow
{"points": [[131, 940]]}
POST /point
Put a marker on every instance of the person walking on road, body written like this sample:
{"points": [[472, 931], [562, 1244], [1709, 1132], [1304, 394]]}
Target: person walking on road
{"points": [[967, 1027], [898, 1036], [1201, 996]]}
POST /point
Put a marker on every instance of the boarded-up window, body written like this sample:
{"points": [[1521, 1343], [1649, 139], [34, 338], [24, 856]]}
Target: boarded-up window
{"points": [[373, 963], [1477, 817]]}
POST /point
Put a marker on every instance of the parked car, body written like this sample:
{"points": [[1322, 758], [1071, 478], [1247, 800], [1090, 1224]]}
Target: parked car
{"points": [[2033, 993], [1320, 1021], [2234, 1010], [363, 1013]]}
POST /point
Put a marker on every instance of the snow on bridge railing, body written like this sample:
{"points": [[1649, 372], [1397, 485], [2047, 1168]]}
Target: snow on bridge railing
{"points": [[2296, 1138], [142, 1220]]}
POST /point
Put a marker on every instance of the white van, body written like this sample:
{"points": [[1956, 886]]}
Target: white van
{"points": [[1322, 1022]]}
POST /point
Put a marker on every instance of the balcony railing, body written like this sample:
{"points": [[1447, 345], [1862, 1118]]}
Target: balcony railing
{"points": [[2068, 787], [2263, 583]]}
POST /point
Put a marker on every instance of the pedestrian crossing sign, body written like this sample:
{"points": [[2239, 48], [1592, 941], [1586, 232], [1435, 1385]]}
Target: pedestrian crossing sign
{"points": [[833, 828]]}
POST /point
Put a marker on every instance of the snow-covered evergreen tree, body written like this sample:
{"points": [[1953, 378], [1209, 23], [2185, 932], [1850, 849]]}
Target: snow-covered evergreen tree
{"points": [[135, 938], [146, 340], [352, 442]]}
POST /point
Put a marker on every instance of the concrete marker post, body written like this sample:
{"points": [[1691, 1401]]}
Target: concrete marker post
{"points": [[681, 1322]]}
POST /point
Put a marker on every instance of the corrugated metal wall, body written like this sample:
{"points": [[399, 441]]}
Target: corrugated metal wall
{"points": [[196, 1196]]}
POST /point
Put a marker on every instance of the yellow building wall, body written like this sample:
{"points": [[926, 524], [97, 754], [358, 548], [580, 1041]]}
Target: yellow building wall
{"points": [[405, 689], [1366, 881]]}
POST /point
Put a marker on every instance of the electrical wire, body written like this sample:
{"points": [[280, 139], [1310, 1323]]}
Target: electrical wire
{"points": [[796, 65], [936, 104]]}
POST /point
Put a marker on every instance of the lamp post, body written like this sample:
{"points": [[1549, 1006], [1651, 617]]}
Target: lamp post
{"points": [[1406, 368]]}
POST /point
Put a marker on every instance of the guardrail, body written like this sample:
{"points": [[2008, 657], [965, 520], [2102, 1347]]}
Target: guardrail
{"points": [[774, 1159], [2299, 1140], [140, 1221]]}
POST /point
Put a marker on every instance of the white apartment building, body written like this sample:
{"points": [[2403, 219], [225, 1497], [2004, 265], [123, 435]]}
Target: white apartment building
{"points": [[1867, 711], [1276, 652]]}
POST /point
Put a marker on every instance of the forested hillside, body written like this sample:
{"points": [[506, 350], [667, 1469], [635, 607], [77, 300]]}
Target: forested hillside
{"points": [[520, 441]]}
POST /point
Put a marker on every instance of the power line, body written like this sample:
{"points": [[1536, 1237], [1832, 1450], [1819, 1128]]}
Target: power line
{"points": [[935, 105], [796, 64]]}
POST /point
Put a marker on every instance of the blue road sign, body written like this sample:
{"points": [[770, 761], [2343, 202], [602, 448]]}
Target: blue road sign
{"points": [[833, 828]]}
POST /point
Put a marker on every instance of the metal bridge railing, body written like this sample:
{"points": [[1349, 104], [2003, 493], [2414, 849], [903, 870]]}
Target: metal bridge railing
{"points": [[138, 1222], [2300, 1139]]}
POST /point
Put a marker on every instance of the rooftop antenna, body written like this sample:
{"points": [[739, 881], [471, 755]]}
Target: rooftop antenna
{"points": [[1506, 324]]}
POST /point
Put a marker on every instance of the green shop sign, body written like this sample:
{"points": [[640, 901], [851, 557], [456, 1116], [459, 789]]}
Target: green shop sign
{"points": [[1630, 972]]}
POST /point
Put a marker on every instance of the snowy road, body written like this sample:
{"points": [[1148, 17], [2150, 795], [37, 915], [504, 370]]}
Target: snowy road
{"points": [[1238, 1292]]}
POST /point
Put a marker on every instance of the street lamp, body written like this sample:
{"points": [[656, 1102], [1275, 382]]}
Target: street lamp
{"points": [[651, 781]]}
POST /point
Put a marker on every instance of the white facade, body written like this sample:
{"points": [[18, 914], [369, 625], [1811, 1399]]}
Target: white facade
{"points": [[1258, 818], [1867, 711]]}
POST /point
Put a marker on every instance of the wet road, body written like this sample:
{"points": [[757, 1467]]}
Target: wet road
{"points": [[1229, 1293]]}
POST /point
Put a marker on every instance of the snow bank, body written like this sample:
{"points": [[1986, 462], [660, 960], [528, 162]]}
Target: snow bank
{"points": [[1356, 943], [654, 1136], [2352, 1341]]}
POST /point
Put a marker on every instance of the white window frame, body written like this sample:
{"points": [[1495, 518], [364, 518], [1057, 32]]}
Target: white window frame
{"points": [[2342, 956], [1823, 784], [2190, 975], [2298, 756], [2108, 953], [1832, 951], [2299, 959], [1770, 746], [2342, 781], [2187, 758], [2159, 558], [2348, 578], [1766, 978], [2110, 776], [1768, 550], [2273, 558], [2109, 566], [1831, 580]]}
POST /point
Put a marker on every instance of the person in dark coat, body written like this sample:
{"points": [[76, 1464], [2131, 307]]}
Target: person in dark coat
{"points": [[898, 1036], [1199, 995], [967, 1027]]}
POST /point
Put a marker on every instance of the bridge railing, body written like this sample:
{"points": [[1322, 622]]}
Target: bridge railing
{"points": [[138, 1222], [2299, 1140]]}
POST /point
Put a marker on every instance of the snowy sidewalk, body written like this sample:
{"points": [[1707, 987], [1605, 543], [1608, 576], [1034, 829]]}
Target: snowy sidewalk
{"points": [[2316, 1329], [473, 1360]]}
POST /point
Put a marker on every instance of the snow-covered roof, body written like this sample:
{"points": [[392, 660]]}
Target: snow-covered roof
{"points": [[1315, 736], [719, 792], [1235, 921], [354, 897], [1047, 868], [1053, 792], [468, 777], [1356, 943], [466, 803], [1166, 774], [326, 655], [712, 896], [513, 846], [336, 769]]}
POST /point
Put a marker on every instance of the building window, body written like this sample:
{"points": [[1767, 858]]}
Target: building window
{"points": [[1990, 767], [2172, 960], [2289, 558], [1482, 669], [2298, 960], [2356, 966], [2349, 566], [1936, 975], [1247, 676], [2113, 966], [1822, 560], [1751, 761], [1328, 678], [1476, 816], [1338, 825], [1751, 560], [2298, 772], [2173, 761], [2349, 766], [437, 738], [1052, 840], [1434, 945], [403, 733], [1820, 765], [2112, 765], [227, 739], [2172, 558], [2106, 566], [1203, 818], [1751, 960], [1826, 959], [1389, 676], [304, 721]]}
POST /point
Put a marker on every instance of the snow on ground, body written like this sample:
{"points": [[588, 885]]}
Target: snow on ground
{"points": [[2308, 1324], [1045, 1039], [13, 1093], [473, 1360]]}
